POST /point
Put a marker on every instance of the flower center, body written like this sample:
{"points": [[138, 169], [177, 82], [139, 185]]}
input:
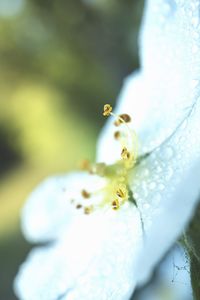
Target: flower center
{"points": [[116, 191]]}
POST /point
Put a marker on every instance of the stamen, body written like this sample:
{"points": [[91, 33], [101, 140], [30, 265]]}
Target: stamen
{"points": [[125, 154], [117, 123], [107, 109], [117, 135], [125, 117], [115, 191], [115, 204], [88, 209], [120, 193], [127, 142], [78, 206], [85, 194], [121, 119]]}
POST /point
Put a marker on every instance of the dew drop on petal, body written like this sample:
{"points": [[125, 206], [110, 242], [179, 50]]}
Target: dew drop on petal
{"points": [[156, 199], [169, 173], [146, 172], [152, 185], [161, 187], [167, 153], [146, 206]]}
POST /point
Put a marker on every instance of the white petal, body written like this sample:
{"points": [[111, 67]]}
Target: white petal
{"points": [[160, 95], [95, 260], [172, 279], [48, 210], [166, 187], [41, 276]]}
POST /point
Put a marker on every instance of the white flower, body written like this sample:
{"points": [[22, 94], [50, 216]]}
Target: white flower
{"points": [[101, 242]]}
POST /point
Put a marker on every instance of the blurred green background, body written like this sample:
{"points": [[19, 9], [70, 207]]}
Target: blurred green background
{"points": [[60, 61]]}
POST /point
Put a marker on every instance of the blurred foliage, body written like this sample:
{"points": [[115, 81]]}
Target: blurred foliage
{"points": [[60, 62], [69, 44], [193, 245], [13, 247], [195, 275], [9, 156]]}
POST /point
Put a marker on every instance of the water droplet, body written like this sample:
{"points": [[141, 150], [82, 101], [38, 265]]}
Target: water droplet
{"points": [[169, 174], [146, 172], [195, 21], [145, 192], [152, 185], [161, 187], [135, 196], [156, 199], [146, 206], [158, 169], [148, 223], [168, 153]]}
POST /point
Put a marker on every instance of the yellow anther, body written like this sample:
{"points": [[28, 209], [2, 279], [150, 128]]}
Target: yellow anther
{"points": [[85, 194], [125, 154], [88, 209], [117, 135], [120, 193], [121, 119], [117, 122], [107, 109], [115, 204], [125, 117], [78, 206]]}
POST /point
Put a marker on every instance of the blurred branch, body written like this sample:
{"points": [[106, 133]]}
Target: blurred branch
{"points": [[193, 246]]}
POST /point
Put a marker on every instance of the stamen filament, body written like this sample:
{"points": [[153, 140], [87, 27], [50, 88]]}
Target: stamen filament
{"points": [[131, 133]]}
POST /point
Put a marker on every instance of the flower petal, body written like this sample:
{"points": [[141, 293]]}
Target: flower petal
{"points": [[159, 97], [41, 276], [166, 187], [49, 209], [95, 260]]}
